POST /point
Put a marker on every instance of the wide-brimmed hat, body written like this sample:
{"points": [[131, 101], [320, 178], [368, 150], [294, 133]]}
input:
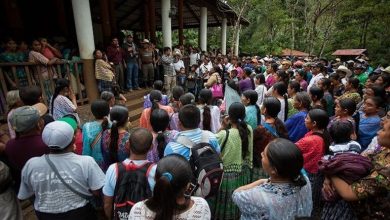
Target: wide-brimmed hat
{"points": [[386, 70], [344, 69], [145, 41]]}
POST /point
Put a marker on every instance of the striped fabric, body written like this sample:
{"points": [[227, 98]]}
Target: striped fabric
{"points": [[194, 135]]}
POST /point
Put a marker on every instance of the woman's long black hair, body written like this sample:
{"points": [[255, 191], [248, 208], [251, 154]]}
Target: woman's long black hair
{"points": [[160, 121], [272, 106], [155, 97], [60, 85], [173, 174], [287, 159], [281, 89], [205, 98], [322, 120], [119, 115], [253, 96], [237, 116]]}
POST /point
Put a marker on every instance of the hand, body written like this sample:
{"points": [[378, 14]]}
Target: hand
{"points": [[327, 188], [71, 94]]}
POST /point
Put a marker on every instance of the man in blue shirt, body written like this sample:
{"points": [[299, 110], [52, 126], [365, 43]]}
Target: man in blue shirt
{"points": [[189, 119]]}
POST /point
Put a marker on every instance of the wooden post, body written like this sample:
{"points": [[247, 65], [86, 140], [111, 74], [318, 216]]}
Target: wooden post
{"points": [[152, 20], [105, 15], [146, 20], [181, 22], [113, 24]]}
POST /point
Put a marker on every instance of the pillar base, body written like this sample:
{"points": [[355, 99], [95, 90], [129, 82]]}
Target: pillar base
{"points": [[89, 80]]}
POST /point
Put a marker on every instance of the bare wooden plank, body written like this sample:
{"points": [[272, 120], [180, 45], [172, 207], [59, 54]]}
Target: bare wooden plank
{"points": [[3, 83], [27, 71], [77, 75], [41, 83], [13, 69]]}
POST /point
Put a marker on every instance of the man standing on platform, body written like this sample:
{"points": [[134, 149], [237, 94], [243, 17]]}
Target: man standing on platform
{"points": [[131, 59], [116, 55], [146, 58], [169, 71]]}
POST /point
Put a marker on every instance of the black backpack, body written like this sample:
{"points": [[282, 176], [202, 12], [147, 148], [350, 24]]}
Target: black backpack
{"points": [[131, 187], [206, 165]]}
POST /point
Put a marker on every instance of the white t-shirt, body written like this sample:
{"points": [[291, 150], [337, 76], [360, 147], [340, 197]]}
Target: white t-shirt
{"points": [[281, 114], [178, 65], [261, 92], [315, 80], [215, 118], [199, 211], [194, 57], [51, 195]]}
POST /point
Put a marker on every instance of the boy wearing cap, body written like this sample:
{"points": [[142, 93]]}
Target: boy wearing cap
{"points": [[53, 198], [28, 143]]}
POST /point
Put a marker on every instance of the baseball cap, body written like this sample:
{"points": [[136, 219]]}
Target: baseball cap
{"points": [[57, 135], [42, 109], [70, 121], [25, 118]]}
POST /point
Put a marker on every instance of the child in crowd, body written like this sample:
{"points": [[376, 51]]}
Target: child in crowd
{"points": [[115, 141], [177, 92], [170, 199], [191, 83], [317, 98], [93, 131], [182, 78], [369, 121], [155, 98], [159, 120], [210, 114], [185, 99], [137, 167], [157, 85], [252, 110]]}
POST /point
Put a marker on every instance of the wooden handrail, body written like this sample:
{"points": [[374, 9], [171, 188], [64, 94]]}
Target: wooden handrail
{"points": [[34, 64]]}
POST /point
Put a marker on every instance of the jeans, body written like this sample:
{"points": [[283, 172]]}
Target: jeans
{"points": [[132, 76]]}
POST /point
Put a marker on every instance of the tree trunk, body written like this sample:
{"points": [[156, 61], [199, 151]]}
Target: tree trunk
{"points": [[237, 25]]}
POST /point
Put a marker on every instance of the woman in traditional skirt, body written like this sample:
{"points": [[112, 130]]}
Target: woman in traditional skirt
{"points": [[272, 127], [236, 140], [103, 72]]}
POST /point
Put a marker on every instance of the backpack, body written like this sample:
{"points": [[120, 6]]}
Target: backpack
{"points": [[131, 187], [206, 166]]}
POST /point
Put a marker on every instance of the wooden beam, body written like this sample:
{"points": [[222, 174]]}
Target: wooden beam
{"points": [[192, 11], [120, 4], [131, 11], [105, 15], [113, 23]]}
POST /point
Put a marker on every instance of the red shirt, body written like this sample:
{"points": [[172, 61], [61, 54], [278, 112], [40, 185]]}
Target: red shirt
{"points": [[313, 149], [115, 54]]}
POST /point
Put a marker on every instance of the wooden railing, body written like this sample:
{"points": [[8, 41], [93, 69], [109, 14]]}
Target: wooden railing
{"points": [[16, 75]]}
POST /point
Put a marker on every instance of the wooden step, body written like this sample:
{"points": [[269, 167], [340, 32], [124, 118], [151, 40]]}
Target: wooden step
{"points": [[135, 114]]}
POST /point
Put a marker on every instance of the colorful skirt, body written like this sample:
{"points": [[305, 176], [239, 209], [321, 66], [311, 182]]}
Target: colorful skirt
{"points": [[222, 207], [339, 209], [316, 181], [104, 85]]}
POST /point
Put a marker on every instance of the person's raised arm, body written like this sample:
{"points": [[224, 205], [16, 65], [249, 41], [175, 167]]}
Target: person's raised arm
{"points": [[344, 189]]}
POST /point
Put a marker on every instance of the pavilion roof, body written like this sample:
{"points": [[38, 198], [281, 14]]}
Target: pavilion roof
{"points": [[290, 52], [349, 52], [129, 14]]}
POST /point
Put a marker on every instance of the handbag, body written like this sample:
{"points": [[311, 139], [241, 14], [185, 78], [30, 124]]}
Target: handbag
{"points": [[94, 201], [216, 89]]}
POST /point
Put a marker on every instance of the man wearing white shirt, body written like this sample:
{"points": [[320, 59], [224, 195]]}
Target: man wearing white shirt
{"points": [[317, 72], [194, 56]]}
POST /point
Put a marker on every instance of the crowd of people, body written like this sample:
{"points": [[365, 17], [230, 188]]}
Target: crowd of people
{"points": [[223, 138]]}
